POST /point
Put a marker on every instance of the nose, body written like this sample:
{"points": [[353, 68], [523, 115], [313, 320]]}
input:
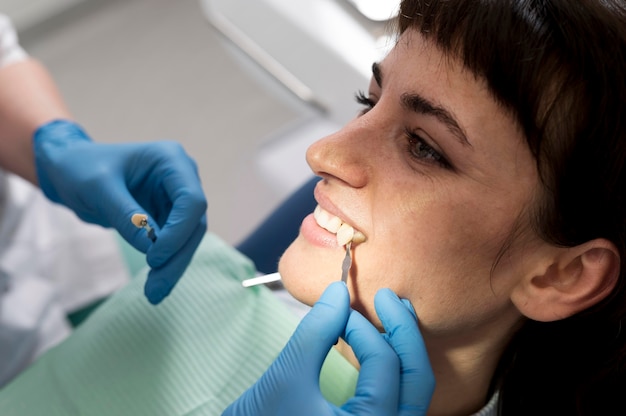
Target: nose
{"points": [[342, 155]]}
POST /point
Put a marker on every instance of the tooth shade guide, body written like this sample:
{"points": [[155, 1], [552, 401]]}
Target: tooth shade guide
{"points": [[358, 237], [345, 234], [139, 220]]}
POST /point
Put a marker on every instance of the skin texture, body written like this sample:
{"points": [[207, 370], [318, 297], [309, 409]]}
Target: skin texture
{"points": [[434, 229], [28, 98]]}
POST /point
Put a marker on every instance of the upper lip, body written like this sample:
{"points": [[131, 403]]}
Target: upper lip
{"points": [[331, 208]]}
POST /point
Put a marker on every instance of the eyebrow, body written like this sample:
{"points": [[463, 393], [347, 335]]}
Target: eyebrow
{"points": [[421, 105]]}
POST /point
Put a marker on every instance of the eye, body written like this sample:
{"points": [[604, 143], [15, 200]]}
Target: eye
{"points": [[365, 101], [420, 150]]}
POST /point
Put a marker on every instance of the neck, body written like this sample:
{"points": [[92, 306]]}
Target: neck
{"points": [[463, 371]]}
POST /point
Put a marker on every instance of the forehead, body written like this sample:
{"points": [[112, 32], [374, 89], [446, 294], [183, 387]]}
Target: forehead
{"points": [[416, 65], [416, 62]]}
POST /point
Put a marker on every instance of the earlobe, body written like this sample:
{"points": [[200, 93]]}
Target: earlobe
{"points": [[575, 279]]}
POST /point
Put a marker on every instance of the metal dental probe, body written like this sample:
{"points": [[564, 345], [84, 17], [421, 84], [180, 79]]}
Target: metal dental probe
{"points": [[346, 264]]}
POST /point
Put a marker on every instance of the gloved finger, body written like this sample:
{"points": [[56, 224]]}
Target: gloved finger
{"points": [[417, 381], [180, 182], [118, 208], [291, 384], [161, 280], [377, 389], [187, 214], [320, 328]]}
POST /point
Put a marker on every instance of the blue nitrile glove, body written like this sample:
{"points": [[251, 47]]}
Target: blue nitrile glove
{"points": [[395, 376], [106, 184]]}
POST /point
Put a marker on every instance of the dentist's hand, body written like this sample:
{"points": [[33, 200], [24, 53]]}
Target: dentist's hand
{"points": [[395, 376], [106, 184]]}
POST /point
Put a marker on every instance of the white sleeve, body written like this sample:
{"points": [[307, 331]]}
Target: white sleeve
{"points": [[10, 49]]}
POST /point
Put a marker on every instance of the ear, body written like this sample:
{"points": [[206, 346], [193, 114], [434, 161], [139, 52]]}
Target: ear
{"points": [[573, 279]]}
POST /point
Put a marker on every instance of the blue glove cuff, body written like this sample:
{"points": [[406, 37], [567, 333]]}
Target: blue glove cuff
{"points": [[59, 132], [48, 139]]}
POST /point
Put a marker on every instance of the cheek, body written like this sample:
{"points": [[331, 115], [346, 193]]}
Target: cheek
{"points": [[436, 254], [441, 264], [307, 270]]}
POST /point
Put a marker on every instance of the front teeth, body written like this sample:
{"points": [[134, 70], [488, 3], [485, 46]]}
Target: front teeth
{"points": [[327, 221], [345, 233]]}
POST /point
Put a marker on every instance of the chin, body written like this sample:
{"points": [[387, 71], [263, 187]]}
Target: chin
{"points": [[304, 272]]}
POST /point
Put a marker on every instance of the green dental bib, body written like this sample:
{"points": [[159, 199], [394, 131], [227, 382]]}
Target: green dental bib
{"points": [[193, 354]]}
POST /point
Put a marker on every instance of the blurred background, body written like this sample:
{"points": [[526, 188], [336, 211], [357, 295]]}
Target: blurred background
{"points": [[244, 85]]}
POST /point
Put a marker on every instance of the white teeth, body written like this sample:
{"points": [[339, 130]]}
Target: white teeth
{"points": [[334, 225], [345, 233], [326, 221]]}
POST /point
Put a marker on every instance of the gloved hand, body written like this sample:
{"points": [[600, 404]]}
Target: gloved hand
{"points": [[106, 184], [395, 376]]}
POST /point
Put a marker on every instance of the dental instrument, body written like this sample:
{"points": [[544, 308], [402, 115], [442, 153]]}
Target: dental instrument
{"points": [[347, 263], [267, 278], [141, 221]]}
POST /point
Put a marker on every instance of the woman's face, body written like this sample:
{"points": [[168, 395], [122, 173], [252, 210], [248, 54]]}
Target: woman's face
{"points": [[435, 174]]}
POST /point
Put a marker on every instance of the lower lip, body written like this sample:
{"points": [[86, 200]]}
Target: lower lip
{"points": [[316, 235]]}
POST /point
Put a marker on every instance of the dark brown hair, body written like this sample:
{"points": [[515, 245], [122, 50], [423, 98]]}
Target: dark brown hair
{"points": [[559, 66]]}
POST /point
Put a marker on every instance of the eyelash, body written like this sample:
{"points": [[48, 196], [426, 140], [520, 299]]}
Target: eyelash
{"points": [[365, 101], [425, 151]]}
